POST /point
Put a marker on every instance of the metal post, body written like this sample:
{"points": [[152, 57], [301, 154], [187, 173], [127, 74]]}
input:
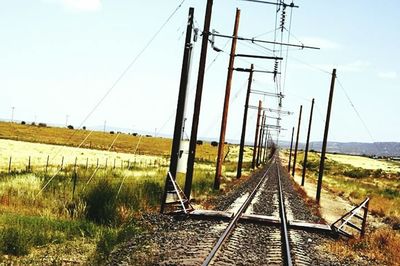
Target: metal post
{"points": [[261, 138], [29, 164], [114, 163], [218, 172], [291, 147], [106, 163], [180, 109], [253, 163], [197, 103], [303, 177], [62, 163], [325, 141], [243, 136], [297, 141], [87, 163]]}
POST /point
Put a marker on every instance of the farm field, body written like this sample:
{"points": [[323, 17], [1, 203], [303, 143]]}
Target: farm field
{"points": [[354, 178], [64, 204]]}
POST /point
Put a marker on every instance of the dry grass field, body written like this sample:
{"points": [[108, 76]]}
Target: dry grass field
{"points": [[59, 207], [354, 178]]}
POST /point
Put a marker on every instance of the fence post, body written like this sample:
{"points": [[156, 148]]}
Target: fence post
{"points": [[87, 163], [129, 163], [29, 164], [47, 162], [74, 178], [106, 163], [97, 164], [62, 163], [9, 165], [114, 163]]}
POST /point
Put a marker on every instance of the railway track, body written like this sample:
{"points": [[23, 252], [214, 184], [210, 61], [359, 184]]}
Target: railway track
{"points": [[277, 241]]}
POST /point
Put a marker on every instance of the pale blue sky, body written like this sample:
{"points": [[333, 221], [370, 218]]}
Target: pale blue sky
{"points": [[59, 57]]}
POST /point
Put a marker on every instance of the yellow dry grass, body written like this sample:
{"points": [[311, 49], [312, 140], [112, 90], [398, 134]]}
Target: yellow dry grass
{"points": [[364, 162]]}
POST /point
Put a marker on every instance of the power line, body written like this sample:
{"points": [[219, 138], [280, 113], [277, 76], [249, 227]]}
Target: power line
{"points": [[356, 111]]}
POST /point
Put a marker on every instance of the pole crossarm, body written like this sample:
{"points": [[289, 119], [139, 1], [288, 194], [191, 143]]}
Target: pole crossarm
{"points": [[253, 40], [292, 5], [259, 56], [266, 93], [239, 69], [272, 110]]}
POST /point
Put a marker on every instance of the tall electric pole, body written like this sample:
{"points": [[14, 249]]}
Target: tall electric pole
{"points": [[325, 141], [253, 163], [297, 141], [244, 124], [303, 176], [217, 179], [197, 101]]}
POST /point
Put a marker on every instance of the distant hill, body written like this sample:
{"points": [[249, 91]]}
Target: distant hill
{"points": [[391, 149]]}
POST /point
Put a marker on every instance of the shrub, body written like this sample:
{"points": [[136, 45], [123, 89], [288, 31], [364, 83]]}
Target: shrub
{"points": [[15, 241], [199, 142], [23, 123], [84, 127], [42, 125], [134, 134], [357, 172], [70, 127], [214, 143], [101, 203], [111, 132], [33, 124]]}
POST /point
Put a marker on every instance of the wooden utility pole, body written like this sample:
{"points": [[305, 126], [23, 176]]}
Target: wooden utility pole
{"points": [[253, 163], [217, 180], [180, 109], [297, 141], [197, 101], [303, 177], [261, 138], [291, 147], [325, 141], [243, 136]]}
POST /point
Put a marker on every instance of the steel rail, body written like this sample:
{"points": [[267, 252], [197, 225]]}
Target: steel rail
{"points": [[284, 230], [235, 219]]}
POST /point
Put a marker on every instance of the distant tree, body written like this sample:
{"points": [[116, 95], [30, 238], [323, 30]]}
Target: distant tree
{"points": [[84, 128], [111, 132], [70, 127], [23, 122], [42, 125], [214, 143], [134, 134], [199, 142]]}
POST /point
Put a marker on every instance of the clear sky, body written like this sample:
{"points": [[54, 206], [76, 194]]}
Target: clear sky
{"points": [[60, 57]]}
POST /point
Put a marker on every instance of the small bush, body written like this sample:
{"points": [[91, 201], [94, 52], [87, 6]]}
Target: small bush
{"points": [[214, 143], [199, 142], [15, 241], [357, 172], [23, 123], [70, 127], [84, 127], [134, 134], [42, 125], [101, 203], [112, 132]]}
